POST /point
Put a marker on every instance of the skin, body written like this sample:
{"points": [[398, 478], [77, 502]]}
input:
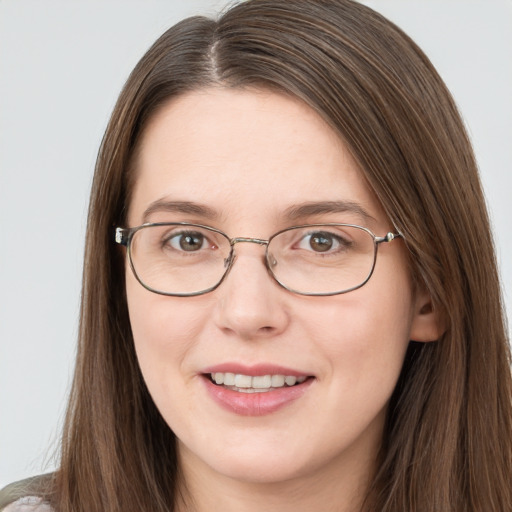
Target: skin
{"points": [[249, 155]]}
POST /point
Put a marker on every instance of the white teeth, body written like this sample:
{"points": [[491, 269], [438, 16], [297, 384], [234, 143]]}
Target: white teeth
{"points": [[243, 381], [290, 381], [258, 383], [229, 379], [252, 390], [278, 381]]}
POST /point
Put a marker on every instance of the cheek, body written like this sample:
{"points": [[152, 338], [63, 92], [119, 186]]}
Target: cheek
{"points": [[363, 336], [165, 330]]}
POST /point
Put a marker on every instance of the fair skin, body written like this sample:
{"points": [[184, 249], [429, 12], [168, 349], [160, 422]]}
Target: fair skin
{"points": [[248, 156]]}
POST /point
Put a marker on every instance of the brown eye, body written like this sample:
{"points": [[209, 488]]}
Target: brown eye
{"points": [[321, 242], [188, 242]]}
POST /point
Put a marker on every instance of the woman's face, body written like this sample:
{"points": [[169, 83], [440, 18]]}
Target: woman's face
{"points": [[246, 160]]}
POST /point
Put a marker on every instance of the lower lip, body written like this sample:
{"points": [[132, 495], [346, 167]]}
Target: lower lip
{"points": [[255, 404]]}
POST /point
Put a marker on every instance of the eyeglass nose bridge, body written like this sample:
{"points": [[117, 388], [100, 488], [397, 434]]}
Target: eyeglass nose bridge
{"points": [[239, 239], [228, 262]]}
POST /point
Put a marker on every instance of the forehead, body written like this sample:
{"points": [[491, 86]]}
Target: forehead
{"points": [[245, 154]]}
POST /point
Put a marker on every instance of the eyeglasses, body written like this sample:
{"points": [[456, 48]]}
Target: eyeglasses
{"points": [[183, 259]]}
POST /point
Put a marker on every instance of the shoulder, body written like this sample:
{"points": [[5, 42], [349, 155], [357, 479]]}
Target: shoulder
{"points": [[25, 495], [28, 504]]}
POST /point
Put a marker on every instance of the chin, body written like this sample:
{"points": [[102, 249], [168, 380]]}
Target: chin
{"points": [[261, 472], [264, 464]]}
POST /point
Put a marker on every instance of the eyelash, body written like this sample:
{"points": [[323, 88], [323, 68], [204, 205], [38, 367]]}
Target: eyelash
{"points": [[173, 239], [175, 235], [342, 243]]}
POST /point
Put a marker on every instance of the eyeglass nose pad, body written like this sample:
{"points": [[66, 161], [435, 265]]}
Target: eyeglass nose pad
{"points": [[272, 262], [230, 259]]}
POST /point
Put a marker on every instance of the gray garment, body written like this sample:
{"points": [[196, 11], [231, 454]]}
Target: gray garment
{"points": [[28, 504], [24, 496]]}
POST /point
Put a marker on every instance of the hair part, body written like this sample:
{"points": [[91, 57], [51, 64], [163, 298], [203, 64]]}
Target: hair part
{"points": [[447, 443]]}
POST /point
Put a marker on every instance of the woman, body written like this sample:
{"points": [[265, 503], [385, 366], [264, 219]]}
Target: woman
{"points": [[241, 344]]}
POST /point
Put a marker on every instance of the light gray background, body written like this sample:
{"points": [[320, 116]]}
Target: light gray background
{"points": [[62, 65]]}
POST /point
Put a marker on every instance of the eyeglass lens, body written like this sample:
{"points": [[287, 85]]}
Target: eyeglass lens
{"points": [[190, 259]]}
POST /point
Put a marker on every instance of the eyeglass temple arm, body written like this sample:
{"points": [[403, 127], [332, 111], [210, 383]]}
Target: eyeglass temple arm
{"points": [[388, 238], [122, 235]]}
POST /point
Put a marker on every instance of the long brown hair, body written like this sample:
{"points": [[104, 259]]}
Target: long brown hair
{"points": [[447, 445]]}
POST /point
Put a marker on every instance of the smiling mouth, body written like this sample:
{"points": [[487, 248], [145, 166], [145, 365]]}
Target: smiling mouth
{"points": [[255, 384]]}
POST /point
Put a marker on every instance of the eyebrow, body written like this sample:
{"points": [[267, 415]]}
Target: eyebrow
{"points": [[325, 207], [292, 213], [186, 207]]}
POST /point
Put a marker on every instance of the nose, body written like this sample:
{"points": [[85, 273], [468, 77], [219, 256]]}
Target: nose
{"points": [[251, 305]]}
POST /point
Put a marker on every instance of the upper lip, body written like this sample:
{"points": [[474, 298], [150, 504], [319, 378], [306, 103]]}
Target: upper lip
{"points": [[254, 370]]}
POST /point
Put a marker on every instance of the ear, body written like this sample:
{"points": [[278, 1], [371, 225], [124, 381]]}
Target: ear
{"points": [[427, 323]]}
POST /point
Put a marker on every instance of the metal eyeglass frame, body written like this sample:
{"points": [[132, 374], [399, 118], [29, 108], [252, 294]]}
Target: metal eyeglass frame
{"points": [[123, 236]]}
